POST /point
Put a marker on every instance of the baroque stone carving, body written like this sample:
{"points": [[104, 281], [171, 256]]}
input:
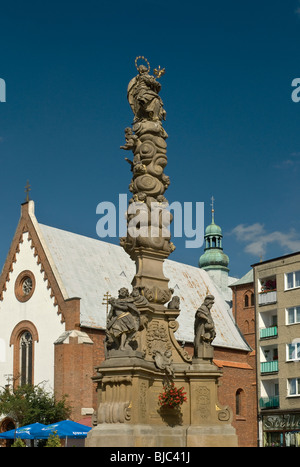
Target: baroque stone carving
{"points": [[157, 338], [138, 298], [203, 401], [123, 321], [116, 408], [148, 217], [204, 329], [143, 95], [163, 361], [224, 414], [174, 303], [173, 326], [143, 400], [157, 294]]}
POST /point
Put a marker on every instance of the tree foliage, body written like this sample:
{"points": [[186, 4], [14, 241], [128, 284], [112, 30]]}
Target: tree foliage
{"points": [[29, 404], [18, 443], [53, 441]]}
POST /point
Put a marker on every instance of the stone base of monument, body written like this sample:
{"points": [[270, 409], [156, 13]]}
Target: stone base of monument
{"points": [[124, 435], [129, 413]]}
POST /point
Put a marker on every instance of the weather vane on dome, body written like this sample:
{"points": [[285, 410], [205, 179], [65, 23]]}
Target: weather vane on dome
{"points": [[212, 209]]}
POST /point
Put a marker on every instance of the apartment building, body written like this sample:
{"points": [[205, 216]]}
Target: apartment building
{"points": [[277, 309]]}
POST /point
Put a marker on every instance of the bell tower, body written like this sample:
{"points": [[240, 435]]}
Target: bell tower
{"points": [[214, 260]]}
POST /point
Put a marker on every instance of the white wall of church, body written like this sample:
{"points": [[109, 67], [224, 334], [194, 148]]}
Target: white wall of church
{"points": [[39, 310]]}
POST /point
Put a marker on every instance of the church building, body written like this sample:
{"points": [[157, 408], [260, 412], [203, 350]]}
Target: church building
{"points": [[54, 291]]}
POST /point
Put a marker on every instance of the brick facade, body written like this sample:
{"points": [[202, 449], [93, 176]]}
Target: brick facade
{"points": [[72, 374], [243, 310]]}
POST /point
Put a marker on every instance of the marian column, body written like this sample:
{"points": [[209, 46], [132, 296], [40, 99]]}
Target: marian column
{"points": [[148, 236], [151, 392]]}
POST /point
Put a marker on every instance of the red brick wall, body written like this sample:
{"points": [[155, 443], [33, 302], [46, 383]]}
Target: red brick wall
{"points": [[244, 315], [72, 374], [241, 380], [97, 336]]}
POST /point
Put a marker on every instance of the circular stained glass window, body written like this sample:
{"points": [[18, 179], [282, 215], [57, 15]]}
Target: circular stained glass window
{"points": [[24, 286]]}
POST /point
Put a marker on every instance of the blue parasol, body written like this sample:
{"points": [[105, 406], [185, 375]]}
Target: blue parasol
{"points": [[24, 432], [64, 429]]}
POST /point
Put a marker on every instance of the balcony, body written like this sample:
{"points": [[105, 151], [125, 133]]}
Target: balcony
{"points": [[269, 367], [268, 297], [269, 402], [267, 333]]}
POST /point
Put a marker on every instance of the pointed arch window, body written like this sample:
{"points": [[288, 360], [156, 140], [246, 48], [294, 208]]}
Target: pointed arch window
{"points": [[246, 301], [26, 355], [23, 339]]}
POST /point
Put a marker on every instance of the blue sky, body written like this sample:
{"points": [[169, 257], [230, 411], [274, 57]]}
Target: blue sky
{"points": [[233, 127]]}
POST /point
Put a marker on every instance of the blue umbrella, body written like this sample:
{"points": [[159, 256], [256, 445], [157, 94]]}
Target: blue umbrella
{"points": [[64, 429], [24, 432]]}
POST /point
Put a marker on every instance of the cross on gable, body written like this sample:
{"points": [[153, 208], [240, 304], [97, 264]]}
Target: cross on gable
{"points": [[27, 190]]}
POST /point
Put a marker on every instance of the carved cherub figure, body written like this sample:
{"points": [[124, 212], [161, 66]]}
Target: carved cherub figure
{"points": [[139, 299], [174, 303], [163, 361], [130, 139]]}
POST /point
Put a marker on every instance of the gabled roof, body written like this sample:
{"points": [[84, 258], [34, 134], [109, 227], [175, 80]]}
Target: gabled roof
{"points": [[81, 267], [246, 279], [88, 268]]}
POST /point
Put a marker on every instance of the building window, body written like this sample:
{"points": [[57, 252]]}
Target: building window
{"points": [[238, 401], [292, 280], [294, 387], [293, 315], [22, 338], [252, 299], [268, 284], [24, 286], [293, 351], [246, 301], [26, 358]]}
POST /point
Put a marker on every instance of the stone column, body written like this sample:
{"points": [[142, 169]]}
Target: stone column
{"points": [[142, 354]]}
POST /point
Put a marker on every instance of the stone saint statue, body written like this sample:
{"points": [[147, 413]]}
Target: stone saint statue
{"points": [[143, 96], [123, 321], [204, 329]]}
